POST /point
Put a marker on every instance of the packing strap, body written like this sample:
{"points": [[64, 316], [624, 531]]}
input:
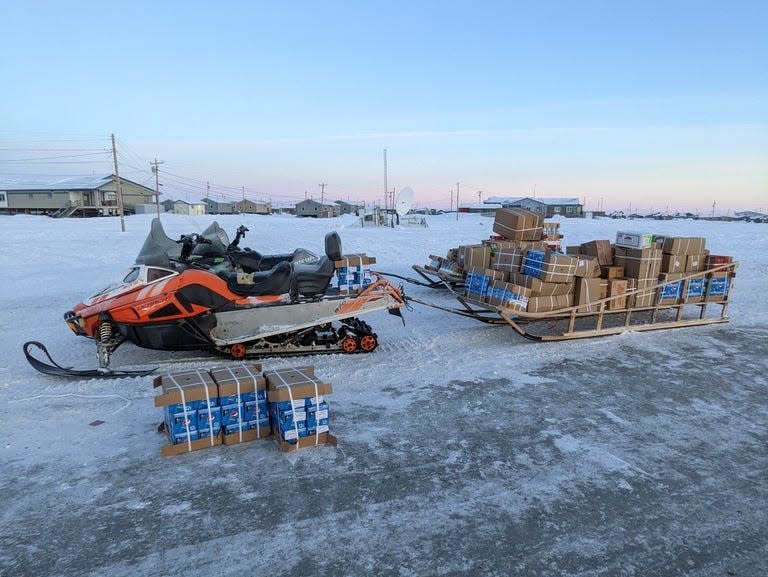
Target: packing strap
{"points": [[184, 409], [207, 407]]}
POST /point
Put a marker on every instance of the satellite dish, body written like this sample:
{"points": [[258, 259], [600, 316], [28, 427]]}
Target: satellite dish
{"points": [[404, 201]]}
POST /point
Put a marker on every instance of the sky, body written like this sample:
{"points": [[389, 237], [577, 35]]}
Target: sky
{"points": [[654, 105]]}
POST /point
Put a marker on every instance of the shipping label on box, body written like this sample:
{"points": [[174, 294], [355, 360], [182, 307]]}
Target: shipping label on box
{"points": [[684, 245], [518, 224], [628, 239], [601, 249]]}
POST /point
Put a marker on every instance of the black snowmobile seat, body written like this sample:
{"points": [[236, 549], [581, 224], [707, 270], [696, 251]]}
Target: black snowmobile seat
{"points": [[276, 281], [312, 279]]}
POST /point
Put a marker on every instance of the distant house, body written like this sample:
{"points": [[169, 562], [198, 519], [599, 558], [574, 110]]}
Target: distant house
{"points": [[549, 207], [250, 207], [349, 207], [73, 196], [216, 207], [313, 208], [184, 207], [483, 209]]}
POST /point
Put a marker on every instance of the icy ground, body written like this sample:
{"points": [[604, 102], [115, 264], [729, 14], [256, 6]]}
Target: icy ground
{"points": [[463, 449]]}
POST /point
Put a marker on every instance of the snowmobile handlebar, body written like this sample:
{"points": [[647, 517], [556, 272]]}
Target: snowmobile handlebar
{"points": [[242, 229], [188, 242]]}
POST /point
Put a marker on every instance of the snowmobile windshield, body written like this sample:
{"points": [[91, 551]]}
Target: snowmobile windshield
{"points": [[158, 249], [219, 241]]}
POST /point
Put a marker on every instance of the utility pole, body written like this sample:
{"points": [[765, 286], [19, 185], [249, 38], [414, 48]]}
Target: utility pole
{"points": [[457, 201], [322, 186], [479, 197], [156, 170], [243, 194], [119, 186], [713, 208]]}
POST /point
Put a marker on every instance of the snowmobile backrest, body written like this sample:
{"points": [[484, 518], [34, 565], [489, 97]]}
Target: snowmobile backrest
{"points": [[333, 246], [311, 280]]}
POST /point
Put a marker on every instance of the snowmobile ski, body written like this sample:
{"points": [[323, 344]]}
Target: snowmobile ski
{"points": [[55, 369]]}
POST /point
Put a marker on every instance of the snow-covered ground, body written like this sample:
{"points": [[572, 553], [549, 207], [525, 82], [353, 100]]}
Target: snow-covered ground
{"points": [[463, 448]]}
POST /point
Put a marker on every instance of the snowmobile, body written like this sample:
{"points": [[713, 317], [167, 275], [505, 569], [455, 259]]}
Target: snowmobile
{"points": [[205, 293]]}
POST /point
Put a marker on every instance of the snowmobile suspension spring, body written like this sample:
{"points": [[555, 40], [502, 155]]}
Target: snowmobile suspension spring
{"points": [[105, 332]]}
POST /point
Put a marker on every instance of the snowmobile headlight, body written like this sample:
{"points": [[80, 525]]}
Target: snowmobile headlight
{"points": [[74, 322]]}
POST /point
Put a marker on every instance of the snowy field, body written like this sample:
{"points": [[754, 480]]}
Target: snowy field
{"points": [[463, 448]]}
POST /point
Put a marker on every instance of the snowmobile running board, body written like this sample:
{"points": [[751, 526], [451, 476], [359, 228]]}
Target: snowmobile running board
{"points": [[600, 318], [55, 369]]}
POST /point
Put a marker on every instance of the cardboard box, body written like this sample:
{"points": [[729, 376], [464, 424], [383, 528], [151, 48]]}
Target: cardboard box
{"points": [[252, 431], [237, 380], [694, 289], [672, 290], [641, 292], [539, 287], [518, 224], [684, 245], [627, 239], [587, 292], [611, 272], [672, 263], [542, 304], [182, 387], [358, 260], [713, 260], [604, 288], [617, 288], [550, 266], [508, 295], [587, 266], [476, 283], [694, 263], [644, 263], [474, 255], [601, 249], [717, 287]]}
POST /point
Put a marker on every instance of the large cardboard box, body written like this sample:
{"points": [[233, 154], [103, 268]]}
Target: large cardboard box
{"points": [[587, 266], [539, 287], [244, 389], [694, 289], [586, 295], [629, 239], [644, 263], [673, 263], [474, 255], [542, 304], [360, 260], [601, 249], [550, 266], [518, 224], [507, 295], [476, 283], [618, 289], [684, 245]]}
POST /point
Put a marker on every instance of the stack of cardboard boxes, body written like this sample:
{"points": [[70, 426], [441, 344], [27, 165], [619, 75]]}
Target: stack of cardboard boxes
{"points": [[517, 269], [235, 404], [353, 272]]}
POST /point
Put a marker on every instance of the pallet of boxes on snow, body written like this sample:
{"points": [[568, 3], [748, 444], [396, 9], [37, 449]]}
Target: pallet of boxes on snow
{"points": [[240, 403], [522, 267]]}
